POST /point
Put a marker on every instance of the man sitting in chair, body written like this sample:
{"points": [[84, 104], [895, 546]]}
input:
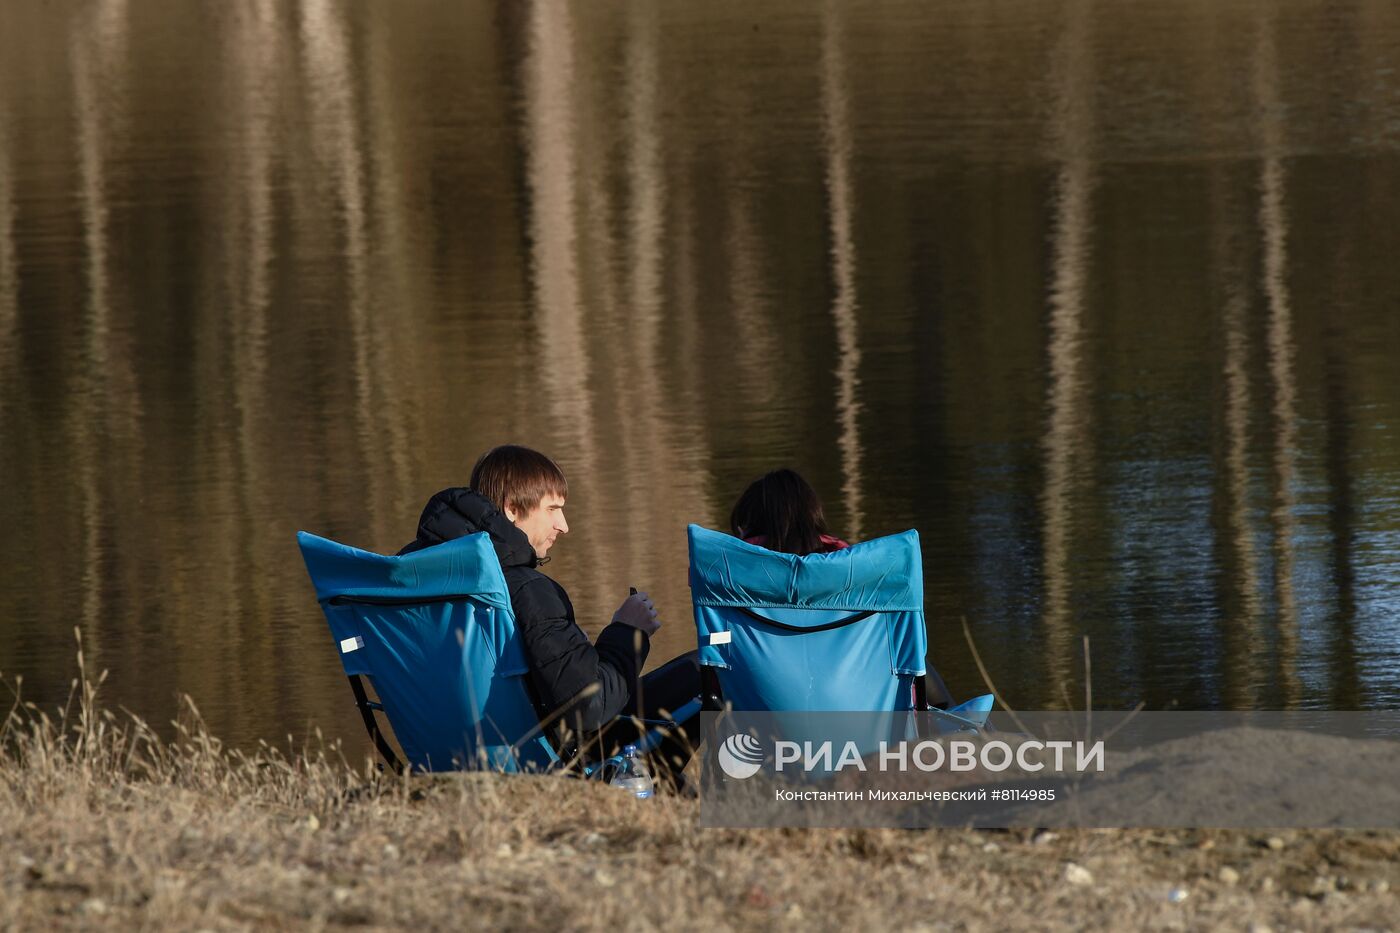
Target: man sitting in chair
{"points": [[517, 496]]}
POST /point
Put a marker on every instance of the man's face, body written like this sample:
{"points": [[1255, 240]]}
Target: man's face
{"points": [[543, 524]]}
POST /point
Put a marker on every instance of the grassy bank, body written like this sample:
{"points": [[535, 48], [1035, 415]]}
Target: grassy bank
{"points": [[106, 825]]}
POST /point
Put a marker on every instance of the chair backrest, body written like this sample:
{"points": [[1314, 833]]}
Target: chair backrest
{"points": [[435, 633], [838, 631]]}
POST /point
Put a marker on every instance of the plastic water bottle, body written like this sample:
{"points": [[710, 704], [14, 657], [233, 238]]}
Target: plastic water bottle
{"points": [[632, 774]]}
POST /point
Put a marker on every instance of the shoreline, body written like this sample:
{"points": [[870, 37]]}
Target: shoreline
{"points": [[520, 852], [110, 826]]}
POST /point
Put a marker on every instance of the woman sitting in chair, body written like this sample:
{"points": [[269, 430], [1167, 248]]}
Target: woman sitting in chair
{"points": [[781, 511]]}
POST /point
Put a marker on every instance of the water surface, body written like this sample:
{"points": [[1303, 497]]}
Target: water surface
{"points": [[1100, 297]]}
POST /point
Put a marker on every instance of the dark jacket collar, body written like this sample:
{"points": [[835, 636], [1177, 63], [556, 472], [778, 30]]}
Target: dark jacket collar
{"points": [[457, 512]]}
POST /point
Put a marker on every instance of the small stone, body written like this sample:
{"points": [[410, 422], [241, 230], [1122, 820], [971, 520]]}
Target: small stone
{"points": [[1274, 842], [340, 895], [592, 840], [604, 879], [312, 824], [93, 905], [794, 912], [503, 850], [1177, 895], [1260, 928], [918, 858], [1078, 874], [1044, 837], [1229, 876], [1380, 886], [1266, 885], [1324, 884], [991, 847], [24, 861], [391, 851]]}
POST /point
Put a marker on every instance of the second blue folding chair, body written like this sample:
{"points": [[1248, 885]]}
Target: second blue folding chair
{"points": [[841, 631]]}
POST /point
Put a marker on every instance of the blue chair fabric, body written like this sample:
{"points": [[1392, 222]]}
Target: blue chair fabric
{"points": [[822, 632], [434, 632]]}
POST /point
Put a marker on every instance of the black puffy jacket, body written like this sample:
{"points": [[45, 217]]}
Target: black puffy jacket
{"points": [[562, 661]]}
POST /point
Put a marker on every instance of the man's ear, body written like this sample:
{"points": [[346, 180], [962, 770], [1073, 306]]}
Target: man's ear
{"points": [[511, 514]]}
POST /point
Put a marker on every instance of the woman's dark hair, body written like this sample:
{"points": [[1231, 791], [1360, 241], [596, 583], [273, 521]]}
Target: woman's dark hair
{"points": [[784, 510]]}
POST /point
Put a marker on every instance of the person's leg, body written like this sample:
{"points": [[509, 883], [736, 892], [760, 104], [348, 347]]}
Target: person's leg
{"points": [[668, 688], [660, 693]]}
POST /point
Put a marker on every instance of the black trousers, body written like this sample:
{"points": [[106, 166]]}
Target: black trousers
{"points": [[655, 697]]}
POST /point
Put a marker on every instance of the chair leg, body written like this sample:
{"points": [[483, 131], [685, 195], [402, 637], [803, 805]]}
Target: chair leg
{"points": [[932, 683], [711, 696], [367, 708]]}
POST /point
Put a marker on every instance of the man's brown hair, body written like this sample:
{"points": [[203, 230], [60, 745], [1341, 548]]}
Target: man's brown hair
{"points": [[517, 477]]}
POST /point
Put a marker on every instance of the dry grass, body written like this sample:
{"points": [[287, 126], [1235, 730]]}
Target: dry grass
{"points": [[107, 825]]}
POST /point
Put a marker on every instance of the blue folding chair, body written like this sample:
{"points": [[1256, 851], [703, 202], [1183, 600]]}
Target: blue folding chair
{"points": [[434, 634], [842, 631]]}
